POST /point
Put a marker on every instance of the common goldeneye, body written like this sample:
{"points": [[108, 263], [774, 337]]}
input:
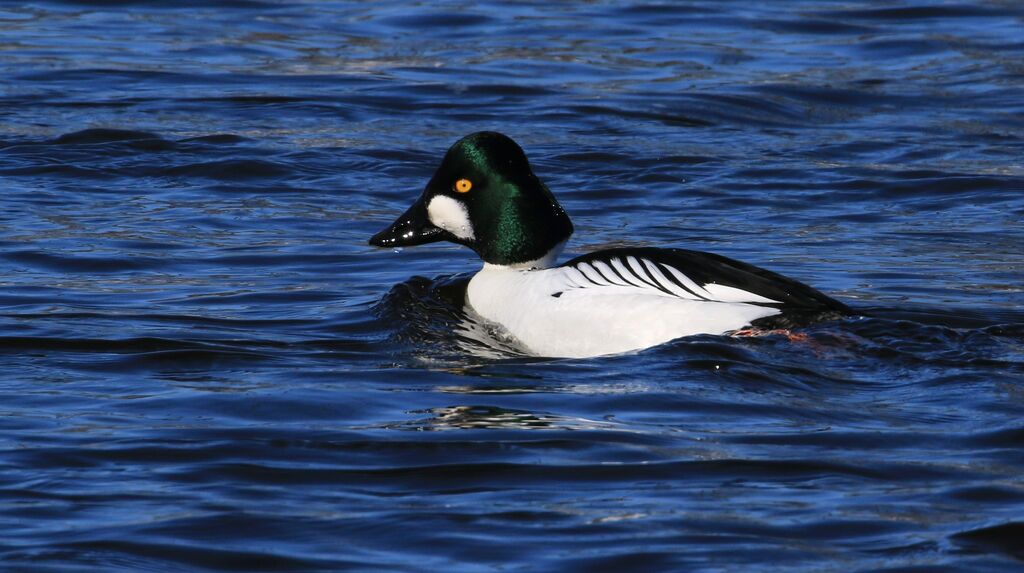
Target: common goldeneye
{"points": [[485, 196]]}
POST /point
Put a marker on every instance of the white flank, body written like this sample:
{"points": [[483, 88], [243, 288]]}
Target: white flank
{"points": [[450, 215], [562, 311]]}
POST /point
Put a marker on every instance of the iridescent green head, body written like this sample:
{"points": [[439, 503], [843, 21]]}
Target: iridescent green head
{"points": [[485, 196]]}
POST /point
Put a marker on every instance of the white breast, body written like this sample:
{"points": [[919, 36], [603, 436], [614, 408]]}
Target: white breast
{"points": [[574, 312]]}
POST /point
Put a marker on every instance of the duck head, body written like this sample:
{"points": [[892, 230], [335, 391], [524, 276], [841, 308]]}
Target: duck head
{"points": [[485, 196]]}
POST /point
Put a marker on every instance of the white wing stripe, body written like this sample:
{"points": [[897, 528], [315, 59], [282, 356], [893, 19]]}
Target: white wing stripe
{"points": [[575, 278], [608, 273], [654, 277], [635, 266], [668, 284], [732, 294], [686, 282], [639, 271], [626, 274], [592, 274]]}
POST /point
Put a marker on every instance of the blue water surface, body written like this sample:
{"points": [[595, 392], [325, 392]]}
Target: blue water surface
{"points": [[205, 367]]}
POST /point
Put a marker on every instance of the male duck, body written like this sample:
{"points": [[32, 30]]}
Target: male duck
{"points": [[485, 196]]}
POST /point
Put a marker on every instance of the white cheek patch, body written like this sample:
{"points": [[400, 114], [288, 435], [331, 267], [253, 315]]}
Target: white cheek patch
{"points": [[450, 215]]}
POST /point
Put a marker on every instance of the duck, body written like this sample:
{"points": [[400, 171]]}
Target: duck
{"points": [[485, 196]]}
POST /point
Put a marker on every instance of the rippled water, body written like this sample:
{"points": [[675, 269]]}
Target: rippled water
{"points": [[206, 368]]}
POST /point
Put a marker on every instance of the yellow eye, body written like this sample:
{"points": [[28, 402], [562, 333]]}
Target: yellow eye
{"points": [[463, 185]]}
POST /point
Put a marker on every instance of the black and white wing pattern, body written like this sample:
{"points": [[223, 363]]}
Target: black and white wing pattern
{"points": [[697, 276]]}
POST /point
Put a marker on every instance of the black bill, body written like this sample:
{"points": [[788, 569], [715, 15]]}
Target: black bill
{"points": [[412, 228]]}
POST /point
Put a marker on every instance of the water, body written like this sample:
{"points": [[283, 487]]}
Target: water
{"points": [[207, 369]]}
